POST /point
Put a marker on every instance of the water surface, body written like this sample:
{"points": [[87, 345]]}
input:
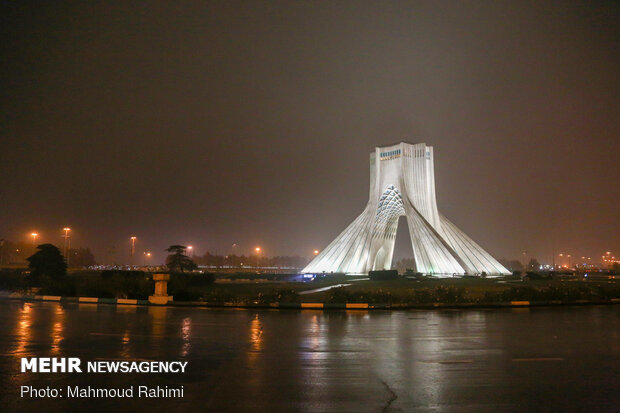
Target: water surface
{"points": [[540, 359]]}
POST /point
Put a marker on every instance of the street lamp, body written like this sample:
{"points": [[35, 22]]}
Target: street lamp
{"points": [[67, 243], [316, 252], [257, 249], [34, 239], [146, 255], [133, 248], [191, 251]]}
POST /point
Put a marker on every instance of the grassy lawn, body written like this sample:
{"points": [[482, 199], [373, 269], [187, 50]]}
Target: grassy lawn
{"points": [[474, 287], [408, 290]]}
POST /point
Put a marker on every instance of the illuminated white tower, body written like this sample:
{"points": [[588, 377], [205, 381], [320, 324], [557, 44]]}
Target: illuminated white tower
{"points": [[402, 182]]}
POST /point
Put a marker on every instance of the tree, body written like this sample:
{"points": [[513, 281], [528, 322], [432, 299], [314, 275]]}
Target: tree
{"points": [[47, 261], [81, 257], [533, 265], [15, 252], [405, 264], [512, 265], [178, 260], [515, 265]]}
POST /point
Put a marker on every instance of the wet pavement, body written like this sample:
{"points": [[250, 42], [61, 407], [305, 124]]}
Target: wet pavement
{"points": [[496, 360]]}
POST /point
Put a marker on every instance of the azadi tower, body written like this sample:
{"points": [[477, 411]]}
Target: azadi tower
{"points": [[402, 182]]}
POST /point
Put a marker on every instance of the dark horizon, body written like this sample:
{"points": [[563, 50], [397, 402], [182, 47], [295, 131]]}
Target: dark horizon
{"points": [[251, 123]]}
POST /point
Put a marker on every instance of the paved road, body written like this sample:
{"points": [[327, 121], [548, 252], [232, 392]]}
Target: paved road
{"points": [[500, 360]]}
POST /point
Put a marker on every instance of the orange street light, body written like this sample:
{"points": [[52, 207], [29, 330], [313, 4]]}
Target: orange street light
{"points": [[316, 252], [67, 243], [133, 245], [146, 255], [34, 239], [190, 248], [257, 249]]}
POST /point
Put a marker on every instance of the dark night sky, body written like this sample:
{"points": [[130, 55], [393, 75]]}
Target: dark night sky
{"points": [[209, 123]]}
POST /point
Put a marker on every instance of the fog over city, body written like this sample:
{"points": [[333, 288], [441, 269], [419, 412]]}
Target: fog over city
{"points": [[219, 123]]}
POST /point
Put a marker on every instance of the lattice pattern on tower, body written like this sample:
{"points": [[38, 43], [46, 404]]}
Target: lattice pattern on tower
{"points": [[389, 208]]}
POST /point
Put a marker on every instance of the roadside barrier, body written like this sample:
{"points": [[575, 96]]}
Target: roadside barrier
{"points": [[304, 306]]}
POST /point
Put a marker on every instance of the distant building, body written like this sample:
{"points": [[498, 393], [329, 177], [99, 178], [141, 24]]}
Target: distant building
{"points": [[402, 182]]}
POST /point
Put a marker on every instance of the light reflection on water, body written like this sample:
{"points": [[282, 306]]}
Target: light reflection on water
{"points": [[126, 348], [57, 330], [256, 333], [23, 333], [158, 321], [186, 334], [126, 308], [254, 353], [256, 346]]}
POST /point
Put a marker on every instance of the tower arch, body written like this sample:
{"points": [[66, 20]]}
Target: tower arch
{"points": [[402, 182]]}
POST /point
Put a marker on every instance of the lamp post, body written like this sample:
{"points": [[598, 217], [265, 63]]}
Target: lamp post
{"points": [[233, 250], [146, 254], [34, 236], [133, 247], [191, 251], [257, 249], [316, 252], [67, 243]]}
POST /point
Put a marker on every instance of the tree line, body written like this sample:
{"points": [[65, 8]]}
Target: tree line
{"points": [[233, 260], [17, 253]]}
